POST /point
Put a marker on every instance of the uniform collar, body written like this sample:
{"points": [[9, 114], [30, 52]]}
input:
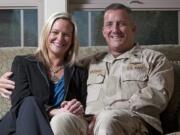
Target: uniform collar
{"points": [[134, 52]]}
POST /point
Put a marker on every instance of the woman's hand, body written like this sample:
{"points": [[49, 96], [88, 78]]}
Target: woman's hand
{"points": [[6, 85], [56, 111], [73, 106]]}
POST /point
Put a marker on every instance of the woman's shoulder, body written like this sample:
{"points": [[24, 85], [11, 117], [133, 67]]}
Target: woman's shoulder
{"points": [[78, 72], [22, 58], [76, 69]]}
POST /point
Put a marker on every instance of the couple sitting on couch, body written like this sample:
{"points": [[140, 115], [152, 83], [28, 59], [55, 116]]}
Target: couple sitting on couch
{"points": [[127, 88]]}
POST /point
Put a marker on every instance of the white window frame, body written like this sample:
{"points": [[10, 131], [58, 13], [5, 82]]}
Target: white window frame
{"points": [[25, 4], [136, 5], [21, 21]]}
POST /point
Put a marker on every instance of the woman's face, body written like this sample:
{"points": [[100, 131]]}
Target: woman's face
{"points": [[60, 38]]}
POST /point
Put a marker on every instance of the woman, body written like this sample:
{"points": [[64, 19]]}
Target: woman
{"points": [[48, 83]]}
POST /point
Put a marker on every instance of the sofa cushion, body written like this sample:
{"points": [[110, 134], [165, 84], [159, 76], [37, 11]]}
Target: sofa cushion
{"points": [[170, 118], [7, 55]]}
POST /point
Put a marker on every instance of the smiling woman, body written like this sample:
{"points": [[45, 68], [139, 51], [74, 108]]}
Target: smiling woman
{"points": [[48, 83]]}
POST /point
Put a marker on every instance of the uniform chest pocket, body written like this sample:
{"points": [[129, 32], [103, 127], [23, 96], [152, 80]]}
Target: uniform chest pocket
{"points": [[133, 81], [134, 76], [94, 84]]}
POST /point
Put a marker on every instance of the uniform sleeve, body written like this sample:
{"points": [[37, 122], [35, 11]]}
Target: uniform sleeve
{"points": [[21, 81], [152, 99]]}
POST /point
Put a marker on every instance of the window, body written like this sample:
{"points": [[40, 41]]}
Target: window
{"points": [[20, 22], [30, 27], [157, 21], [18, 27], [156, 27]]}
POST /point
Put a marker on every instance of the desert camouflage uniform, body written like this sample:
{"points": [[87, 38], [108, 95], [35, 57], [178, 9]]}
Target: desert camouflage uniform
{"points": [[129, 92]]}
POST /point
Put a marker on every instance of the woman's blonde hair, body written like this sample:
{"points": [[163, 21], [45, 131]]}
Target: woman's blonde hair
{"points": [[42, 52]]}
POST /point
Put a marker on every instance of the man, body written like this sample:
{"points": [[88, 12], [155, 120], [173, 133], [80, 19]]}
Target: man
{"points": [[129, 86]]}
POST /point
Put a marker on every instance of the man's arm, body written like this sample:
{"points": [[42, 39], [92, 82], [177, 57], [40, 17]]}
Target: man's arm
{"points": [[6, 85], [153, 98]]}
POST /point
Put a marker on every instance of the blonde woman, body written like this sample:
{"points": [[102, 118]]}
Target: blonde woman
{"points": [[48, 84]]}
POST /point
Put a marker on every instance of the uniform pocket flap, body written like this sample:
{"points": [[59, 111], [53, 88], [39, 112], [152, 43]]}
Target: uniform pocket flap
{"points": [[134, 76], [95, 79]]}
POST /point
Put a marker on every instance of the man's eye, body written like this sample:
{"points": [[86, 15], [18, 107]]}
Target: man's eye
{"points": [[108, 24], [122, 24]]}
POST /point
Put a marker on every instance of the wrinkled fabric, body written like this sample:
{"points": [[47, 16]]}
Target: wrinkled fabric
{"points": [[139, 81]]}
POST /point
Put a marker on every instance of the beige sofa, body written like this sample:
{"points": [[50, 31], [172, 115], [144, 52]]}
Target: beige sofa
{"points": [[170, 117]]}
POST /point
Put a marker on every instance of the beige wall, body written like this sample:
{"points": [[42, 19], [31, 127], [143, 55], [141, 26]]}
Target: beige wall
{"points": [[13, 3], [51, 6]]}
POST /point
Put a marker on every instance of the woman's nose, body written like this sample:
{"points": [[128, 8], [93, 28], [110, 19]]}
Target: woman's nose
{"points": [[60, 36]]}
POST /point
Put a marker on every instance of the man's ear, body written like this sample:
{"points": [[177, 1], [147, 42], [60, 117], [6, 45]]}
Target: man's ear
{"points": [[134, 28], [103, 31]]}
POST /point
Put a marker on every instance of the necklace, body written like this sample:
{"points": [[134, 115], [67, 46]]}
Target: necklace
{"points": [[53, 72]]}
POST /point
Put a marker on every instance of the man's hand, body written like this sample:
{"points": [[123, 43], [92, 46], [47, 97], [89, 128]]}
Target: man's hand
{"points": [[91, 122], [6, 85]]}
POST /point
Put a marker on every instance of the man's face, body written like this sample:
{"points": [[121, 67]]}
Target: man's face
{"points": [[118, 30]]}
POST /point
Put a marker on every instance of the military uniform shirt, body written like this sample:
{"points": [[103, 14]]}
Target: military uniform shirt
{"points": [[139, 80]]}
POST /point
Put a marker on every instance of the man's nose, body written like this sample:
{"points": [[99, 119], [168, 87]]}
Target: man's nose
{"points": [[115, 27]]}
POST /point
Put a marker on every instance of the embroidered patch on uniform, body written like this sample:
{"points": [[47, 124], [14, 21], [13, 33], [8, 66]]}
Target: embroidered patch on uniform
{"points": [[136, 66], [96, 71]]}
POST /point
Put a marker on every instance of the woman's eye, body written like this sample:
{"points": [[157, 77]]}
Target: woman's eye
{"points": [[54, 32], [66, 34]]}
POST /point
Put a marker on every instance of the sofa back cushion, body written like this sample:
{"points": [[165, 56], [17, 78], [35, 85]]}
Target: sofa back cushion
{"points": [[170, 117]]}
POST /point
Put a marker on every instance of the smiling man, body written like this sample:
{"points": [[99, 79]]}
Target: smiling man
{"points": [[119, 31], [133, 85]]}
